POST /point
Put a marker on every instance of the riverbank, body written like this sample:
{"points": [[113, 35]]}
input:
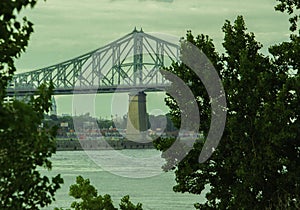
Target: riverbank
{"points": [[72, 145]]}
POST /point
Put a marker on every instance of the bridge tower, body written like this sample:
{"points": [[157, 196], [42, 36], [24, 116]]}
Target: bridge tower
{"points": [[137, 120]]}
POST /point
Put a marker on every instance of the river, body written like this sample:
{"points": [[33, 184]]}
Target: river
{"points": [[118, 173]]}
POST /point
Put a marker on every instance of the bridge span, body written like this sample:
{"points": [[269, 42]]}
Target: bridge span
{"points": [[129, 63]]}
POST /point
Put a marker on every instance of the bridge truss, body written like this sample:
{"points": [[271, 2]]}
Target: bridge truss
{"points": [[131, 62]]}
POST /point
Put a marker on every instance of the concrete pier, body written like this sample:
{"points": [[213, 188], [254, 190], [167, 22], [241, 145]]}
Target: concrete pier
{"points": [[137, 121]]}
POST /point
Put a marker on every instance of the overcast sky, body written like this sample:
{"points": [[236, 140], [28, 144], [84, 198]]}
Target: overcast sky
{"points": [[68, 28]]}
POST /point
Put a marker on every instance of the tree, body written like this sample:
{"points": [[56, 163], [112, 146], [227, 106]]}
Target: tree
{"points": [[90, 200], [14, 38], [290, 6], [25, 144], [257, 163]]}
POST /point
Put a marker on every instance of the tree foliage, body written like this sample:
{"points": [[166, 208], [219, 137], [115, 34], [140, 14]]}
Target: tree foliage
{"points": [[25, 145], [291, 7], [14, 37], [90, 200], [257, 163]]}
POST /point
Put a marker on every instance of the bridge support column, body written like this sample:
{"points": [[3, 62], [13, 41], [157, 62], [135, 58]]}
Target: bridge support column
{"points": [[137, 120]]}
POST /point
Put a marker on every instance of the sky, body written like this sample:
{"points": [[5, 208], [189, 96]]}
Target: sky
{"points": [[64, 29]]}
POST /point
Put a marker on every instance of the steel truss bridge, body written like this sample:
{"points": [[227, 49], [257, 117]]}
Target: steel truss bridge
{"points": [[131, 62]]}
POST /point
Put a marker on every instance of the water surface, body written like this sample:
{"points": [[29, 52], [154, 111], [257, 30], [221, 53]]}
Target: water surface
{"points": [[154, 191]]}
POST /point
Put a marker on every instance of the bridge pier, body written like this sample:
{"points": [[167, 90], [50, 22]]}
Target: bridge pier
{"points": [[137, 120]]}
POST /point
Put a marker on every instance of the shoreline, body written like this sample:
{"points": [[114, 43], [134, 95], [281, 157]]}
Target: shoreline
{"points": [[74, 145]]}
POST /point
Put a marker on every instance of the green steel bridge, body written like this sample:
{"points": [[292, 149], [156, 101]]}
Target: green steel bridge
{"points": [[132, 62]]}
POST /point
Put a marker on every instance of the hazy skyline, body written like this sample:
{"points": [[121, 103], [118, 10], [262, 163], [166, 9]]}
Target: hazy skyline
{"points": [[66, 29]]}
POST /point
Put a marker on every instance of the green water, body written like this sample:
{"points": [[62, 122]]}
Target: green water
{"points": [[114, 176]]}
